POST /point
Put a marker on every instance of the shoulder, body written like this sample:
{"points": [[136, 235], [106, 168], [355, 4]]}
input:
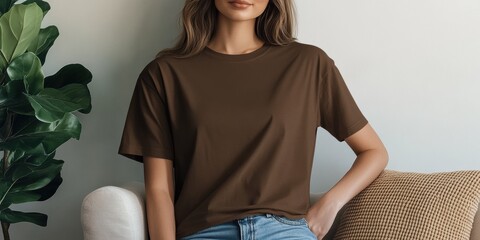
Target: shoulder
{"points": [[151, 73], [156, 65], [314, 51], [150, 70], [157, 61]]}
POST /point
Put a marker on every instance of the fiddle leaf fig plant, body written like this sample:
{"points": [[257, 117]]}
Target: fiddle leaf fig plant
{"points": [[36, 112]]}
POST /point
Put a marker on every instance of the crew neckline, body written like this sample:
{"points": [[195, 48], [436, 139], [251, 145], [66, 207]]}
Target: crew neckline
{"points": [[238, 57]]}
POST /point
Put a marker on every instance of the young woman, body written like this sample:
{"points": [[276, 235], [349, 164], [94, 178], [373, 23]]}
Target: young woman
{"points": [[225, 123]]}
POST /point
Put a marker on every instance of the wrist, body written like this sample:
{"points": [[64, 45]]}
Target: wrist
{"points": [[335, 200]]}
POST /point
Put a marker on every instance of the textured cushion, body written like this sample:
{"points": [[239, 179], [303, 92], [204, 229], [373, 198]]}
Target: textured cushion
{"points": [[112, 212], [409, 205]]}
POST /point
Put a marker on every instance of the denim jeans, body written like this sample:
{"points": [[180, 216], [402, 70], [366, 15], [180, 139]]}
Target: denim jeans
{"points": [[257, 227]]}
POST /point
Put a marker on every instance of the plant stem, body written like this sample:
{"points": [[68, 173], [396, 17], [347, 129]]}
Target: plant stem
{"points": [[5, 227], [8, 131], [2, 78], [5, 159]]}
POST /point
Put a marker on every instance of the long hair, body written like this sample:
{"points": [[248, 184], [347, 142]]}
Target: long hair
{"points": [[274, 26]]}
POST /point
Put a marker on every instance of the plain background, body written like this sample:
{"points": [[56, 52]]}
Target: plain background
{"points": [[412, 66]]}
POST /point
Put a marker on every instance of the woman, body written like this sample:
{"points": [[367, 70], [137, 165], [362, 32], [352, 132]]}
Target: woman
{"points": [[225, 124]]}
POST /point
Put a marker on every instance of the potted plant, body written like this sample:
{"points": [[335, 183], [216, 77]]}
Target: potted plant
{"points": [[36, 112]]}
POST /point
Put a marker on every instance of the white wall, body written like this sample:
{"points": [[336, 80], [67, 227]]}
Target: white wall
{"points": [[412, 66], [414, 70]]}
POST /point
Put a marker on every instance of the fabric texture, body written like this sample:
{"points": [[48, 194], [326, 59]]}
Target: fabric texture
{"points": [[115, 212], [409, 205], [239, 129]]}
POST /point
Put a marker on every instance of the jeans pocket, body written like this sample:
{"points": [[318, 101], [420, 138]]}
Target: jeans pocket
{"points": [[289, 221]]}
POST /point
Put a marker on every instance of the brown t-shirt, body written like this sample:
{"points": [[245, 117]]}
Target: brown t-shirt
{"points": [[240, 129]]}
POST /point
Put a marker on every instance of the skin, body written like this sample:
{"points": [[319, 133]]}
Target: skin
{"points": [[235, 35], [159, 197], [235, 27]]}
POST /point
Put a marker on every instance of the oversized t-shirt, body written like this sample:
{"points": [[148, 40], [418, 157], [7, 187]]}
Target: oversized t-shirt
{"points": [[240, 129]]}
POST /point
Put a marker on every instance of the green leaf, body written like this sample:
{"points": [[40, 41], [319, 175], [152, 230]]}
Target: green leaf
{"points": [[5, 5], [18, 28], [14, 156], [12, 99], [28, 133], [18, 171], [51, 104], [21, 197], [22, 106], [36, 156], [3, 62], [45, 39], [43, 5], [23, 165], [38, 178], [10, 90], [49, 190], [27, 67], [71, 73], [4, 188], [25, 182], [40, 194], [11, 216], [3, 116]]}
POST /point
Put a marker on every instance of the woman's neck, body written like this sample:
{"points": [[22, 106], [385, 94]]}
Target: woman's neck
{"points": [[235, 37]]}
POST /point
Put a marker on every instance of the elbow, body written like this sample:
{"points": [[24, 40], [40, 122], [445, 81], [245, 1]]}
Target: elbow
{"points": [[379, 156], [384, 156]]}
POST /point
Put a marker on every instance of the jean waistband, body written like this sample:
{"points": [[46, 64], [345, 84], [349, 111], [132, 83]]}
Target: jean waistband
{"points": [[268, 215]]}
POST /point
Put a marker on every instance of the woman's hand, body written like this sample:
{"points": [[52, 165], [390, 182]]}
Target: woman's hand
{"points": [[321, 214]]}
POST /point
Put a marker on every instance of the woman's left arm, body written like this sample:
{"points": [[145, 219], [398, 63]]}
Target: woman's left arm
{"points": [[371, 160]]}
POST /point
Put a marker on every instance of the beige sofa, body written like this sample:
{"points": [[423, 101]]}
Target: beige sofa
{"points": [[118, 212], [475, 234]]}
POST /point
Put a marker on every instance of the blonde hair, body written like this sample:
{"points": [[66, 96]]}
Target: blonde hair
{"points": [[274, 26]]}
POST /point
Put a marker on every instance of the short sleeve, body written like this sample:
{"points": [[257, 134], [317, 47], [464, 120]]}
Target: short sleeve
{"points": [[147, 130], [338, 112]]}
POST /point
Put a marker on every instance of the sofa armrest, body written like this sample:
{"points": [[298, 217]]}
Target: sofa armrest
{"points": [[115, 212], [475, 235]]}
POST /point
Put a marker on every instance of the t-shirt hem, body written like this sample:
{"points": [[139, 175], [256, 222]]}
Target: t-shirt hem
{"points": [[353, 129], [195, 228], [137, 153]]}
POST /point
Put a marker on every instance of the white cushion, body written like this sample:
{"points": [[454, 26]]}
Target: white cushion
{"points": [[112, 212]]}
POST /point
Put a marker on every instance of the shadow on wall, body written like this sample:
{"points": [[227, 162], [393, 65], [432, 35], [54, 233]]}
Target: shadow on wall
{"points": [[156, 28]]}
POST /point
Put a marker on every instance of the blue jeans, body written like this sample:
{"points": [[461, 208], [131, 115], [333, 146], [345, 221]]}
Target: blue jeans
{"points": [[257, 227]]}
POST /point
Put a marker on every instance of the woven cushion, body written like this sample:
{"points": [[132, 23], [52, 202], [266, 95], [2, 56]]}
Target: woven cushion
{"points": [[410, 205]]}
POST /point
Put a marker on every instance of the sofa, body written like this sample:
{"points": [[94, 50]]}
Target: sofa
{"points": [[118, 212]]}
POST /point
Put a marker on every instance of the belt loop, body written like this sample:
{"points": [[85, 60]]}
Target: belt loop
{"points": [[268, 215]]}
